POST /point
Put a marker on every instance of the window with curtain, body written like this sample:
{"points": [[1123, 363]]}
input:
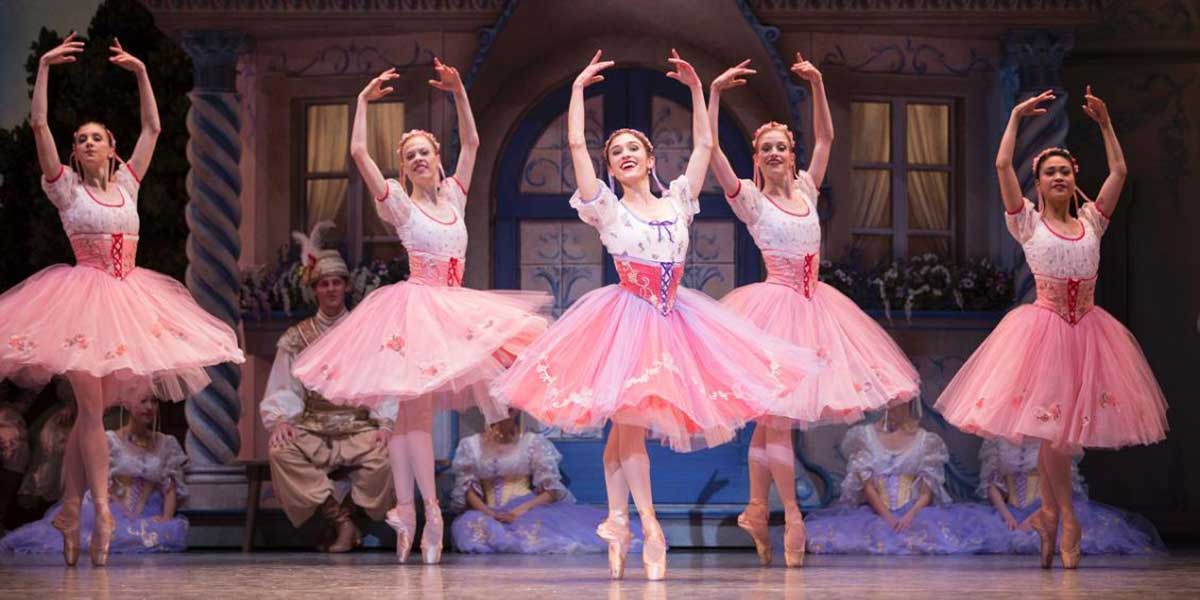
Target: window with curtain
{"points": [[332, 187], [902, 178]]}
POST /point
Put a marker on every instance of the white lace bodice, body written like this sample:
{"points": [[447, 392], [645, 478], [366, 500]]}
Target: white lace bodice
{"points": [[923, 461], [1000, 459], [626, 235], [774, 229], [81, 212], [161, 464], [421, 232], [1050, 253]]}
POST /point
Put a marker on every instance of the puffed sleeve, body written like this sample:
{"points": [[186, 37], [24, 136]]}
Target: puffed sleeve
{"points": [[932, 466], [129, 180], [174, 460], [687, 203], [284, 399], [808, 188], [60, 189], [466, 472], [599, 211], [543, 467], [989, 468], [455, 193], [384, 413], [1021, 223], [1091, 213], [860, 465], [746, 202], [395, 206]]}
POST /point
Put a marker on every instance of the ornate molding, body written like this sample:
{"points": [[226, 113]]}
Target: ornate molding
{"points": [[909, 58], [351, 59], [796, 95], [351, 7]]}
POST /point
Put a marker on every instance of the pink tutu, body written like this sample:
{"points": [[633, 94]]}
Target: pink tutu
{"points": [[144, 330], [1082, 385], [412, 339], [867, 370], [691, 376]]}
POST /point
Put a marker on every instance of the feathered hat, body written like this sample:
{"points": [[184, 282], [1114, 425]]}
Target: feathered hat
{"points": [[316, 263]]}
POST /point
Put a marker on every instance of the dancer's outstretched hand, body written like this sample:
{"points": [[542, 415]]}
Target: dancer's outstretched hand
{"points": [[806, 70], [64, 52], [1095, 108], [683, 73], [375, 89], [123, 59], [591, 73], [1033, 106], [448, 78], [282, 434], [732, 77]]}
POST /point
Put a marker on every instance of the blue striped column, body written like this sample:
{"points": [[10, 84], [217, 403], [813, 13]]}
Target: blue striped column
{"points": [[214, 212]]}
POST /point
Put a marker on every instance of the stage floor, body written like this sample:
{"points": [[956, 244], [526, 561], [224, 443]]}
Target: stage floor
{"points": [[692, 575]]}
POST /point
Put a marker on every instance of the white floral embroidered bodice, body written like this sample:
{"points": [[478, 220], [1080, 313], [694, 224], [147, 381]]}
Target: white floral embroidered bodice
{"points": [[1052, 253], [627, 235], [81, 213], [421, 232], [774, 229]]}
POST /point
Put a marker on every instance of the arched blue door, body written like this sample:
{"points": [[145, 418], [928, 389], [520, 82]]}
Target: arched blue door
{"points": [[540, 243]]}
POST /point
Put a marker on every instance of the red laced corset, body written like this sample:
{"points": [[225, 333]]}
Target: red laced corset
{"points": [[655, 283], [1070, 298], [797, 272], [429, 269], [115, 253]]}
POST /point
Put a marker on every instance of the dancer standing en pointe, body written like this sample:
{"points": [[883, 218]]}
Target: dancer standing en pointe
{"points": [[867, 370], [648, 355]]}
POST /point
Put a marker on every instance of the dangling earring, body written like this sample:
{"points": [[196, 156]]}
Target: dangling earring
{"points": [[1039, 198], [612, 183], [441, 171], [757, 176]]}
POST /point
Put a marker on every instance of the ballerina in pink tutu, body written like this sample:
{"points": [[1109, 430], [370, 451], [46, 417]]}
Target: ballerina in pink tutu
{"points": [[1061, 370], [868, 371], [648, 355], [427, 343], [118, 333]]}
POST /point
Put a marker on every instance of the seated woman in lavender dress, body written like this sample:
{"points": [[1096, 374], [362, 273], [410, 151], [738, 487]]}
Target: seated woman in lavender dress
{"points": [[515, 502], [145, 486], [894, 499], [1009, 479]]}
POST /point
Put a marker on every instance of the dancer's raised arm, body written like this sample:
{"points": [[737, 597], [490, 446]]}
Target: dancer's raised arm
{"points": [[702, 136], [359, 151], [822, 121], [1110, 192], [731, 78], [468, 136], [585, 173], [38, 119], [1010, 185], [143, 151]]}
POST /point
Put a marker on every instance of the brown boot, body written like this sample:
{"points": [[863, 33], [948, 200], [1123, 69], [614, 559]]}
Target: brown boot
{"points": [[346, 535]]}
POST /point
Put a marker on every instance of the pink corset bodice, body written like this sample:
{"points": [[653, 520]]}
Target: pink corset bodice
{"points": [[430, 269], [113, 253], [1070, 298], [654, 282], [798, 272]]}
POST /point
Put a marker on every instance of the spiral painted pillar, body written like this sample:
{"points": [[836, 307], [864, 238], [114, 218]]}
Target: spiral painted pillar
{"points": [[214, 212], [1038, 58]]}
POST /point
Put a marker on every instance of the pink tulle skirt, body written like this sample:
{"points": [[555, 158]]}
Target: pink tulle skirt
{"points": [[411, 340], [691, 377], [1036, 375], [866, 369], [145, 332]]}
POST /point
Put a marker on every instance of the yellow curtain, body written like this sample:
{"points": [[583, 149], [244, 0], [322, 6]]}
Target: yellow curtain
{"points": [[326, 146], [385, 125], [928, 143]]}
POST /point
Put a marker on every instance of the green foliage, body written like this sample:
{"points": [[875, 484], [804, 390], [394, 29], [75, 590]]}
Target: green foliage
{"points": [[31, 236]]}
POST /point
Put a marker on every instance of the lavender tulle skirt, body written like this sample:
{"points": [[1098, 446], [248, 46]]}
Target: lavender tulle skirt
{"points": [[556, 528], [1106, 530], [948, 529], [134, 534]]}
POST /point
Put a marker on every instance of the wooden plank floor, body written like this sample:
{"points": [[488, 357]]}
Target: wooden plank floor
{"points": [[692, 575]]}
